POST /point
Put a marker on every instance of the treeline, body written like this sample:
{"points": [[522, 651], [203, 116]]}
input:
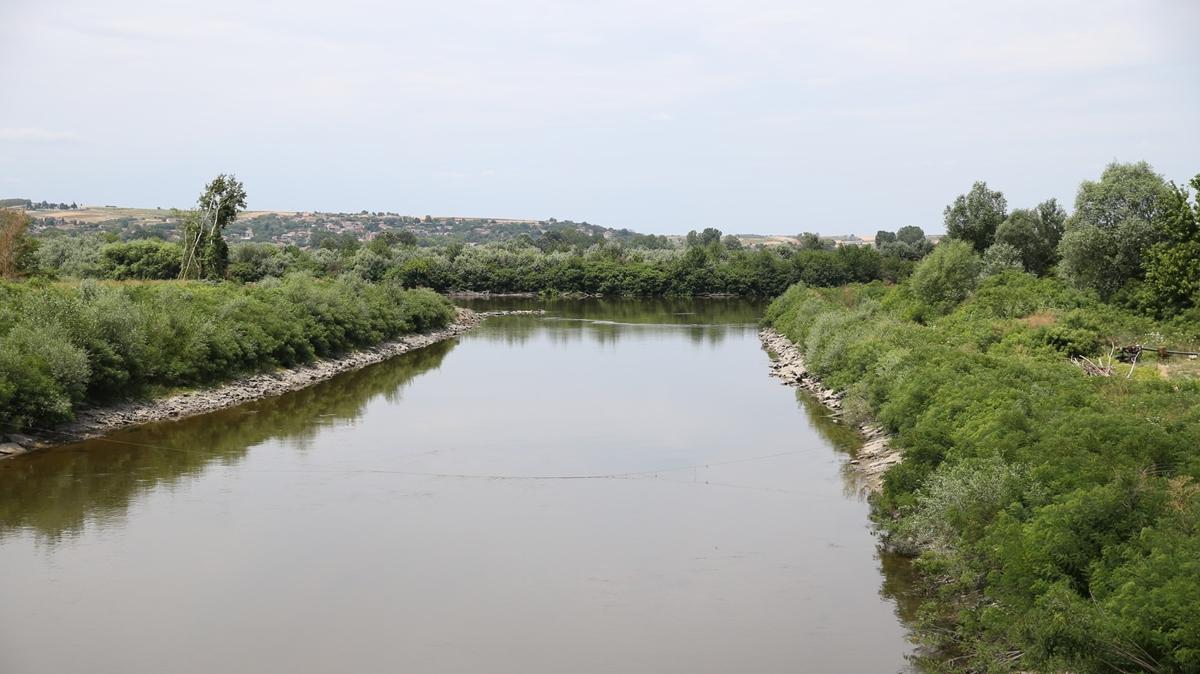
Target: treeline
{"points": [[566, 257], [1056, 515], [1134, 237], [516, 266], [37, 205], [61, 345]]}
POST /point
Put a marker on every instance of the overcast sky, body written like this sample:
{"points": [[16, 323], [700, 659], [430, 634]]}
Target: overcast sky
{"points": [[748, 115]]}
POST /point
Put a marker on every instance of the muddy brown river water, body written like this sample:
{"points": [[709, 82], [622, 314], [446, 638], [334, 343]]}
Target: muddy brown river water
{"points": [[617, 486]]}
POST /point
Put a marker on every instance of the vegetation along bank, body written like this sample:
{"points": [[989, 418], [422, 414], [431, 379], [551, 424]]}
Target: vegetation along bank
{"points": [[1046, 406], [99, 344], [99, 419]]}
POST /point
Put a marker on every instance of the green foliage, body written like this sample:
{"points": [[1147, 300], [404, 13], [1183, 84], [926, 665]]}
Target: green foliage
{"points": [[1001, 257], [1035, 234], [1117, 219], [144, 260], [1057, 516], [62, 345], [205, 253], [907, 244], [974, 216], [959, 501], [607, 268], [70, 256], [1173, 266], [18, 250], [947, 276]]}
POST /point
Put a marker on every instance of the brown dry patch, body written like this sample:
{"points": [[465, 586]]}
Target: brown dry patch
{"points": [[1183, 491], [1042, 319], [1179, 368]]}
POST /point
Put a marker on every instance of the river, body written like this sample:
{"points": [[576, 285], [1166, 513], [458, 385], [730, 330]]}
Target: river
{"points": [[616, 486]]}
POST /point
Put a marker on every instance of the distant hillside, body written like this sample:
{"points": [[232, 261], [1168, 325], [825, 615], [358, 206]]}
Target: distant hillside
{"points": [[308, 229]]}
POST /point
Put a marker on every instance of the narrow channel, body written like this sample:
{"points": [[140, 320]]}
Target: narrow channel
{"points": [[614, 486]]}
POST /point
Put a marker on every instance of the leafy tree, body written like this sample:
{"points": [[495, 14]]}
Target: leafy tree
{"points": [[947, 276], [17, 248], [205, 253], [819, 268], [912, 235], [370, 265], [405, 238], [710, 236], [810, 241], [1116, 220], [907, 243], [862, 264], [1035, 234], [1173, 266], [731, 242], [1001, 257], [974, 216], [345, 242]]}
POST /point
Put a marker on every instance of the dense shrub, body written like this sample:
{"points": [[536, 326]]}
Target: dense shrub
{"points": [[146, 259], [607, 268], [947, 276], [1057, 515], [63, 344]]}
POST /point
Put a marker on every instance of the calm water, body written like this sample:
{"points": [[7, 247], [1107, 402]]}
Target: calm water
{"points": [[614, 487]]}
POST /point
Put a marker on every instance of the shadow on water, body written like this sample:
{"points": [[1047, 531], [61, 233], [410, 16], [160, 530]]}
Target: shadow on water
{"points": [[664, 310], [607, 320], [56, 492], [899, 581]]}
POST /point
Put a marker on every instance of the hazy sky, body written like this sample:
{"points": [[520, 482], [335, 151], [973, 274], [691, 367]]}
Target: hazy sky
{"points": [[747, 115]]}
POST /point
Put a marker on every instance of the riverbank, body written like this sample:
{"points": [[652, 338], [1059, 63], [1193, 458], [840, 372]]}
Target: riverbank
{"points": [[876, 455], [96, 421]]}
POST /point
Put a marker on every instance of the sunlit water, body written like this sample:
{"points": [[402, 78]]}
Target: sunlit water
{"points": [[614, 487]]}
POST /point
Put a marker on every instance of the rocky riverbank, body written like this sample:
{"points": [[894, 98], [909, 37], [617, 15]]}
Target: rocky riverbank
{"points": [[96, 421], [876, 454]]}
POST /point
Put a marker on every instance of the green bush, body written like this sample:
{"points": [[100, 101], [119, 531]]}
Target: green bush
{"points": [[947, 276], [605, 268], [1057, 515], [147, 259], [61, 345]]}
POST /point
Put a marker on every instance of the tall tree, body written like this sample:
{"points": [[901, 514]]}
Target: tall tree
{"points": [[1173, 265], [974, 216], [709, 236], [1117, 218], [810, 241], [1035, 234], [912, 235], [205, 253]]}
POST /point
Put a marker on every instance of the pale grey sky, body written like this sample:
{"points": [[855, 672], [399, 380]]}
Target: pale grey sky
{"points": [[747, 115]]}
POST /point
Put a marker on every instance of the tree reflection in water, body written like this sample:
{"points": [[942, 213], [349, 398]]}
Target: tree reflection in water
{"points": [[55, 492]]}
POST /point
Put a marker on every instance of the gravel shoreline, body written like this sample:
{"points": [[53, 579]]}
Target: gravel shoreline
{"points": [[877, 454], [93, 422]]}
